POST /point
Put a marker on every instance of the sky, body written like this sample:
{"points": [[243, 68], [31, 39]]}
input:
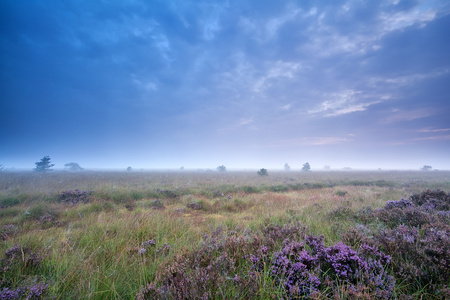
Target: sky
{"points": [[245, 84]]}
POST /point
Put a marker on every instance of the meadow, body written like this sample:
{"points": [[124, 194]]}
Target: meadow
{"points": [[225, 235]]}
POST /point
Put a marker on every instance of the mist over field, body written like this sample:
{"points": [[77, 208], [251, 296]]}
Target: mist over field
{"points": [[248, 85]]}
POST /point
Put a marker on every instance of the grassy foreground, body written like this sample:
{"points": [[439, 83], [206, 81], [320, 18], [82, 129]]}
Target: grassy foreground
{"points": [[193, 235]]}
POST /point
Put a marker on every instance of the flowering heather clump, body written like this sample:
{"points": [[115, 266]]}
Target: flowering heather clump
{"points": [[238, 260], [195, 206], [7, 231], [218, 193], [343, 262], [167, 193], [305, 268], [36, 291], [399, 204], [424, 197], [46, 218], [9, 294], [419, 257], [164, 249], [411, 216], [278, 233], [206, 272], [296, 268], [145, 245], [19, 256], [75, 196]]}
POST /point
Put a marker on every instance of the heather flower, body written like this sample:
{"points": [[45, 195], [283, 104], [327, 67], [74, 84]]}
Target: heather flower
{"points": [[148, 243], [164, 249]]}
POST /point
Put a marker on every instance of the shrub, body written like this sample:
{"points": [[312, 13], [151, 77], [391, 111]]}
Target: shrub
{"points": [[75, 196], [420, 257], [167, 193], [399, 204], [8, 231], [195, 206], [436, 200], [262, 172]]}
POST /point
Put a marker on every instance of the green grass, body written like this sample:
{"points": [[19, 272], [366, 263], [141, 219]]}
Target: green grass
{"points": [[90, 251]]}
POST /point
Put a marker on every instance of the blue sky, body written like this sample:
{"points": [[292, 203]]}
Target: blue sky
{"points": [[246, 84]]}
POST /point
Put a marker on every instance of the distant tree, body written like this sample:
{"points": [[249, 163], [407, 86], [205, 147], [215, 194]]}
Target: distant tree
{"points": [[287, 167], [426, 168], [129, 169], [44, 165], [262, 172], [2, 167], [306, 167], [72, 166], [327, 168], [182, 168], [221, 168]]}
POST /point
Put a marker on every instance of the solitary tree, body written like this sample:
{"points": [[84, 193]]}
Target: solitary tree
{"points": [[72, 166], [221, 168], [2, 167], [287, 167], [44, 165], [129, 169], [306, 167], [426, 168], [262, 172]]}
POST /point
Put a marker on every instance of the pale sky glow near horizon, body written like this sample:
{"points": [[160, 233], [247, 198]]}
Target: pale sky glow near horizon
{"points": [[245, 84]]}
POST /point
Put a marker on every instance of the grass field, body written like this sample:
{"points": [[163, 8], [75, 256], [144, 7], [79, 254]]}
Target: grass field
{"points": [[230, 235]]}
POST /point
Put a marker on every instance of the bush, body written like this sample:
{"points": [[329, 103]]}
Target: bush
{"points": [[420, 257], [195, 206], [262, 172], [437, 199], [75, 196]]}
